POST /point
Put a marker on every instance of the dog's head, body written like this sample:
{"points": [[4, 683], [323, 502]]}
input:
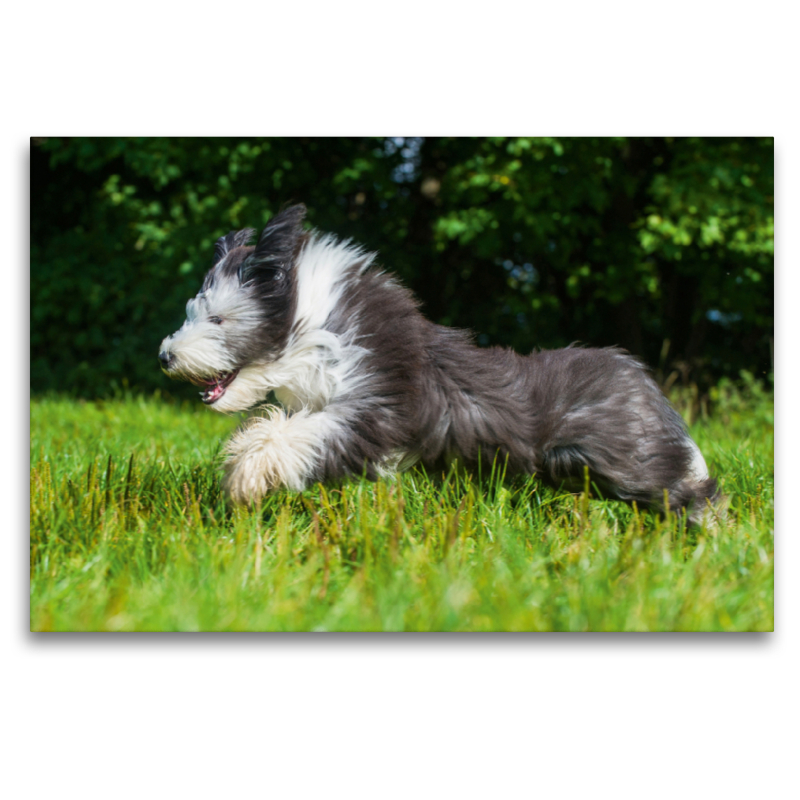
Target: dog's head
{"points": [[242, 315]]}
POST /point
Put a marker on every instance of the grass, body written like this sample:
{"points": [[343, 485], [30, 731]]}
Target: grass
{"points": [[129, 532]]}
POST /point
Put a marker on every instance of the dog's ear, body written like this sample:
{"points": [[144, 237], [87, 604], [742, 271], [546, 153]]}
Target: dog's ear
{"points": [[230, 241], [276, 248]]}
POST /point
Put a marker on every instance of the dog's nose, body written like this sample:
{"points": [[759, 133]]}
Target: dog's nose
{"points": [[165, 359]]}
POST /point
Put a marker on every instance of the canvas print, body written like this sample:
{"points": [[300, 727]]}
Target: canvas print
{"points": [[402, 384]]}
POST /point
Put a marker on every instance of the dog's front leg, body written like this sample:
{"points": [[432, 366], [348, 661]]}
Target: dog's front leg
{"points": [[274, 451]]}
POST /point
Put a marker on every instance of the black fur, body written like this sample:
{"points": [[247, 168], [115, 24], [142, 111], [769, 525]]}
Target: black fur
{"points": [[263, 272], [276, 249], [231, 241], [553, 413]]}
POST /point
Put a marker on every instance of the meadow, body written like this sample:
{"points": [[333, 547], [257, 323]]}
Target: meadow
{"points": [[129, 532]]}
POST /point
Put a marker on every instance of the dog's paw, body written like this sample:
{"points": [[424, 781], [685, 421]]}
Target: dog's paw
{"points": [[244, 485], [272, 452]]}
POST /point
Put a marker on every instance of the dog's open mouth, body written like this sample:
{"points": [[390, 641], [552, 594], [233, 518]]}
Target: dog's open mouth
{"points": [[216, 386]]}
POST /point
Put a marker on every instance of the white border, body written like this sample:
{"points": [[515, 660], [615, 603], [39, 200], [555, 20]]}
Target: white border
{"points": [[399, 716]]}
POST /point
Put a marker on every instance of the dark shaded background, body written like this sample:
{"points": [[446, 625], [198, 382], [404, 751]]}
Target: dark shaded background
{"points": [[661, 245]]}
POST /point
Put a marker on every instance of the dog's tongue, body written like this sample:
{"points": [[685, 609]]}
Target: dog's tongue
{"points": [[213, 393], [216, 387]]}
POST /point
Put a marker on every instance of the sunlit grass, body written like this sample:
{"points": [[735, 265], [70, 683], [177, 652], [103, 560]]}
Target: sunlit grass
{"points": [[129, 531]]}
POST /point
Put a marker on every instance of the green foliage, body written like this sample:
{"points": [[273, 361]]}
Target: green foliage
{"points": [[129, 531], [661, 245]]}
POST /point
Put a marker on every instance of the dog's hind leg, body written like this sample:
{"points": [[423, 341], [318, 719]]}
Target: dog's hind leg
{"points": [[701, 501], [692, 492], [695, 493]]}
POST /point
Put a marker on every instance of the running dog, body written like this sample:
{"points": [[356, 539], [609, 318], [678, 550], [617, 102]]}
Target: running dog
{"points": [[368, 386]]}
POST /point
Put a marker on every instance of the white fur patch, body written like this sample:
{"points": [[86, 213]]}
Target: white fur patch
{"points": [[321, 270], [398, 461], [698, 470], [226, 300], [276, 450], [316, 368]]}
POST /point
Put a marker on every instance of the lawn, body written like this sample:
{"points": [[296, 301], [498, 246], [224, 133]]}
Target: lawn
{"points": [[129, 532]]}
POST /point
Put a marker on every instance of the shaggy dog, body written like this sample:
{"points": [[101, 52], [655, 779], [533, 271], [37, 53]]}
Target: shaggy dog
{"points": [[368, 386]]}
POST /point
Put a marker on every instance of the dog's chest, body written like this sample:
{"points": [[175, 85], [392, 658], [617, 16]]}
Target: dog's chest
{"points": [[293, 399]]}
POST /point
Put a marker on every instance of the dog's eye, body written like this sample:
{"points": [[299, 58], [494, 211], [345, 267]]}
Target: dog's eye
{"points": [[215, 320]]}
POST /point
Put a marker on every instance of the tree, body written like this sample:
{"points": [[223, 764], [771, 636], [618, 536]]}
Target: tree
{"points": [[664, 246]]}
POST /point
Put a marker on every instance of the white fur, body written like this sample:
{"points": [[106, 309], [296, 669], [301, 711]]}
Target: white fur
{"points": [[321, 270], [201, 349], [225, 300], [398, 461], [273, 451], [200, 344], [698, 470], [315, 369]]}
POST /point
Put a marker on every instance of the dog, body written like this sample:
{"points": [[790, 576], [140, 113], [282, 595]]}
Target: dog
{"points": [[368, 386]]}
